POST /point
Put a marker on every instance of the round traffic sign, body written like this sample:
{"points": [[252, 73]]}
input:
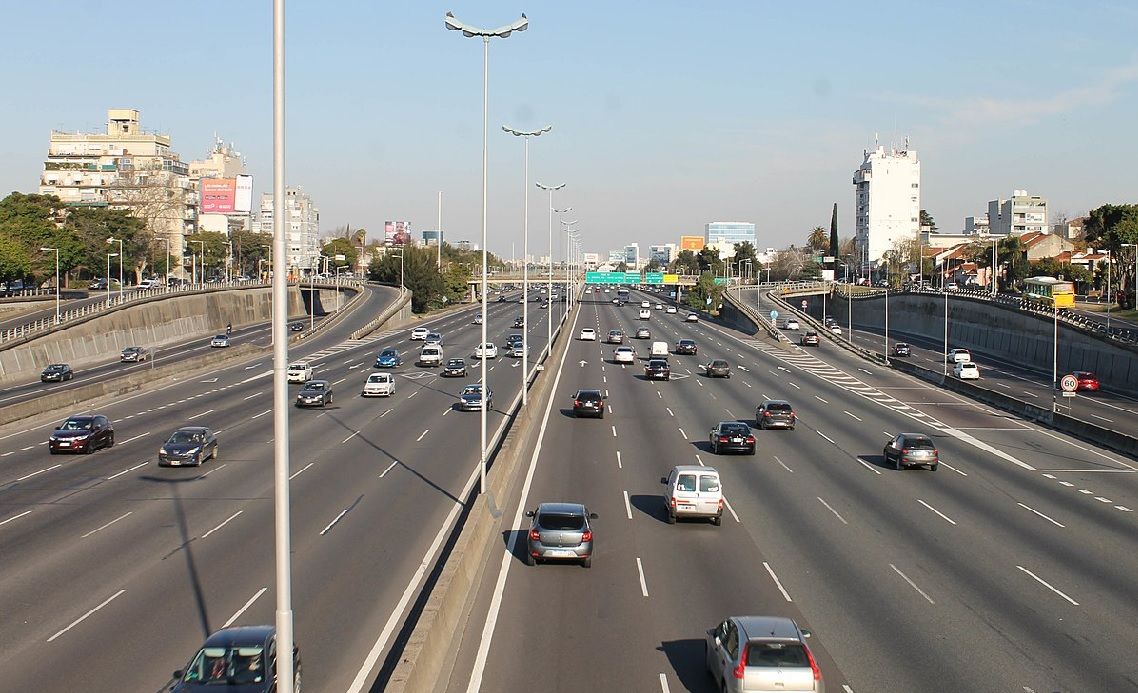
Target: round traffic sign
{"points": [[803, 304], [1069, 383]]}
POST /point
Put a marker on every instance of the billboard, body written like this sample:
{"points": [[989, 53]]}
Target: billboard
{"points": [[396, 233], [218, 195], [692, 243], [243, 198]]}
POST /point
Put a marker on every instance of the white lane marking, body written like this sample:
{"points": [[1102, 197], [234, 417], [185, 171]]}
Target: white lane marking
{"points": [[827, 438], [777, 582], [12, 452], [700, 460], [1047, 585], [140, 435], [422, 435], [1123, 508], [261, 414], [820, 399], [1057, 524], [1101, 417], [618, 463], [627, 507], [731, 509], [669, 411], [207, 411], [1066, 483], [832, 510], [953, 468], [869, 466], [685, 435], [211, 471], [1086, 491], [354, 434], [795, 386], [389, 468], [243, 609], [942, 515], [107, 525], [614, 431], [658, 394], [664, 684], [854, 416], [643, 584], [339, 381], [225, 522], [82, 618], [1100, 499], [776, 459], [27, 448], [447, 411], [386, 413], [300, 471], [604, 378], [127, 470], [333, 522], [417, 392], [15, 517], [911, 583], [41, 471]]}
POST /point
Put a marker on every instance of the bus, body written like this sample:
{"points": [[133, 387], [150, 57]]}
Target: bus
{"points": [[622, 295], [1055, 292]]}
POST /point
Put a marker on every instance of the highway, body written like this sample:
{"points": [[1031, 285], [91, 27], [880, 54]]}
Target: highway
{"points": [[1010, 568], [116, 570]]}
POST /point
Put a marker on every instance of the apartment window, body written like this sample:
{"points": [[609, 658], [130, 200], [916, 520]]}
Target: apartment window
{"points": [[916, 185]]}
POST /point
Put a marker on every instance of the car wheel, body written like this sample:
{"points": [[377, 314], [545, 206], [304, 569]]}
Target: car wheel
{"points": [[52, 451], [529, 558], [717, 520], [671, 517], [897, 463], [587, 563], [762, 425], [932, 468], [752, 452], [215, 451], [111, 441], [198, 460], [714, 448], [601, 415]]}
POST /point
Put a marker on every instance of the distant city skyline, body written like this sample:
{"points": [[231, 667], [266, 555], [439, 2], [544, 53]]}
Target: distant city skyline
{"points": [[739, 110]]}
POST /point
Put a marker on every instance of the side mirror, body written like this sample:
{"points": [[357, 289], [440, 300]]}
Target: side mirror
{"points": [[592, 516], [177, 674], [805, 633], [663, 480], [529, 513]]}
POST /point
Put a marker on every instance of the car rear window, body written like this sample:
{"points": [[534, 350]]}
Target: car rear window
{"points": [[718, 364], [919, 443], [735, 429], [709, 482], [560, 521], [780, 406], [776, 654]]}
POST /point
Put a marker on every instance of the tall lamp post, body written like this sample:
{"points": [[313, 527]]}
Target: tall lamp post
{"points": [[549, 286], [994, 266], [1108, 301], [109, 256], [401, 287], [194, 278], [470, 31], [56, 250], [568, 230], [525, 135], [122, 258]]}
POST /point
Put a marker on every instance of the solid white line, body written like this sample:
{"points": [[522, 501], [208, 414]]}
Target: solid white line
{"points": [[911, 583], [140, 435], [106, 525], [664, 684], [242, 610], [227, 520], [15, 517], [685, 435], [1041, 515], [334, 521], [627, 507], [424, 433], [300, 471], [640, 569], [731, 509], [832, 510], [1047, 585], [207, 411], [776, 581], [943, 516], [855, 417], [953, 468], [46, 469], [776, 459], [869, 466], [84, 616]]}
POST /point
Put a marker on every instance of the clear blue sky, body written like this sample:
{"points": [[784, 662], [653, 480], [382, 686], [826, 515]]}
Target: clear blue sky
{"points": [[665, 114]]}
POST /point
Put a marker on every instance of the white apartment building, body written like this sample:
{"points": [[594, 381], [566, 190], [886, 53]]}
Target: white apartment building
{"points": [[1021, 214], [632, 256], [887, 201], [302, 227], [662, 254], [124, 168], [977, 226], [223, 161], [730, 232]]}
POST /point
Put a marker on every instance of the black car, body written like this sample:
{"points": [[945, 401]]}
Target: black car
{"points": [[518, 322], [243, 658], [775, 413], [314, 392], [657, 369], [731, 436], [686, 346], [133, 354], [82, 433], [296, 326], [189, 445], [717, 368], [902, 349], [454, 367], [589, 403], [56, 373], [809, 338]]}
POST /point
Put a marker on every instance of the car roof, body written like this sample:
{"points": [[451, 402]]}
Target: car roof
{"points": [[686, 340], [768, 627], [775, 401], [562, 508], [192, 429], [81, 417], [589, 392], [240, 636], [731, 423], [685, 468], [917, 436], [298, 364], [313, 383]]}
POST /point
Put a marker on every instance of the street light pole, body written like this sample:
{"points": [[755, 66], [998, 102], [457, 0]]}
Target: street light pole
{"points": [[525, 135], [166, 240], [994, 265], [945, 290], [1108, 264], [1134, 283], [469, 31], [194, 267], [48, 250], [549, 281], [109, 256], [1054, 353], [122, 257]]}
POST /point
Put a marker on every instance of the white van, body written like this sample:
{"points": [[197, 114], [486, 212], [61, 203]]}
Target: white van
{"points": [[379, 385], [431, 356], [693, 491], [659, 350]]}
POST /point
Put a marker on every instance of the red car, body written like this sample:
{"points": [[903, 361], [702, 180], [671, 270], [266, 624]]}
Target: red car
{"points": [[1087, 381]]}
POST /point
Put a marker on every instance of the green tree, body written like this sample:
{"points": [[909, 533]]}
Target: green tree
{"points": [[341, 246], [818, 239], [685, 263], [705, 288], [1108, 227], [420, 274], [709, 261], [744, 251], [622, 267], [92, 226], [15, 261], [652, 266], [249, 248], [456, 282], [927, 221], [1012, 256], [210, 256]]}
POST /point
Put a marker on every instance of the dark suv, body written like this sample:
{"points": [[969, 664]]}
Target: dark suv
{"points": [[775, 413], [84, 433], [589, 403], [657, 369], [902, 349], [686, 346]]}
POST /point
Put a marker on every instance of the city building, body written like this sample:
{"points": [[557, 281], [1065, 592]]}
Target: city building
{"points": [[592, 260], [125, 168], [662, 254], [224, 190], [1071, 229], [302, 227], [632, 256], [730, 232], [1020, 214], [431, 237], [887, 202], [977, 226], [616, 257], [465, 245]]}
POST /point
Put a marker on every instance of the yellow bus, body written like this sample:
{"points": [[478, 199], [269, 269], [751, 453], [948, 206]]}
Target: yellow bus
{"points": [[1056, 292]]}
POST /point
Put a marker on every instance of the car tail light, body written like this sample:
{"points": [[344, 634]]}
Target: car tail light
{"points": [[813, 663], [720, 505], [587, 535], [905, 451], [576, 403], [750, 439], [673, 502], [534, 535], [766, 414], [722, 439], [742, 663]]}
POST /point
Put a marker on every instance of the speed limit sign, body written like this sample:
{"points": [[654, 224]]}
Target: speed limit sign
{"points": [[1069, 383], [803, 304]]}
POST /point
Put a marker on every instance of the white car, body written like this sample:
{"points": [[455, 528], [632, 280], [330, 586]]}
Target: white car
{"points": [[299, 372], [431, 355], [692, 317], [659, 306], [624, 354], [488, 348], [959, 356], [671, 310], [478, 319], [588, 334], [966, 370], [607, 291], [792, 324], [645, 314], [379, 385], [836, 329], [419, 334], [220, 341]]}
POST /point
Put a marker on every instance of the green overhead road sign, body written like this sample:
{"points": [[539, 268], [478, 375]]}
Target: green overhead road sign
{"points": [[612, 278], [653, 277]]}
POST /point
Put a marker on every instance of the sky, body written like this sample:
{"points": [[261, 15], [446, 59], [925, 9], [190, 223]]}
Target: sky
{"points": [[665, 115]]}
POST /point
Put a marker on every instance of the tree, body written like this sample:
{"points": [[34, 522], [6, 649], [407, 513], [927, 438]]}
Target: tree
{"points": [[622, 266], [834, 232], [817, 239], [15, 261], [745, 251], [420, 274], [154, 197], [1011, 253], [249, 248], [705, 288], [652, 266], [685, 263], [927, 221], [1108, 227], [709, 261], [92, 226], [211, 255], [341, 246]]}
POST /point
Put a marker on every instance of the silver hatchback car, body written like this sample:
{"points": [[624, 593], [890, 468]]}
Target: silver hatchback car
{"points": [[560, 531], [762, 654]]}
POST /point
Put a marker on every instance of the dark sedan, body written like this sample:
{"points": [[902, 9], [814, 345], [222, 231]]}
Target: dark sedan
{"points": [[775, 413], [314, 393], [686, 346], [57, 373], [717, 368], [189, 445], [657, 369], [454, 368], [589, 403], [83, 433], [242, 659], [902, 349], [731, 436]]}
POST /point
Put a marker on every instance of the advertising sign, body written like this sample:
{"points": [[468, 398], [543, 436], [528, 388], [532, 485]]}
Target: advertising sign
{"points": [[653, 277], [671, 279], [396, 233], [243, 200], [692, 243], [218, 195]]}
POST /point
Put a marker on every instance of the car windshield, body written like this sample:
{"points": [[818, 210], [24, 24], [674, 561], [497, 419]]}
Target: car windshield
{"points": [[378, 378], [779, 406], [220, 336], [389, 353], [561, 521], [226, 666], [298, 367], [589, 395], [472, 390], [76, 425], [919, 443], [1085, 375], [734, 429], [55, 368], [314, 386], [686, 342], [180, 437], [776, 654], [656, 363], [456, 363]]}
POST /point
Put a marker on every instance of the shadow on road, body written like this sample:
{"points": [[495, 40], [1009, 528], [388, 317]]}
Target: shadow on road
{"points": [[650, 505], [687, 660]]}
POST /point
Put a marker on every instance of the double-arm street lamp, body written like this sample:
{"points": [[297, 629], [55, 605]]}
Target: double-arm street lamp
{"points": [[525, 135], [470, 31], [549, 286], [122, 258], [56, 251], [568, 230]]}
